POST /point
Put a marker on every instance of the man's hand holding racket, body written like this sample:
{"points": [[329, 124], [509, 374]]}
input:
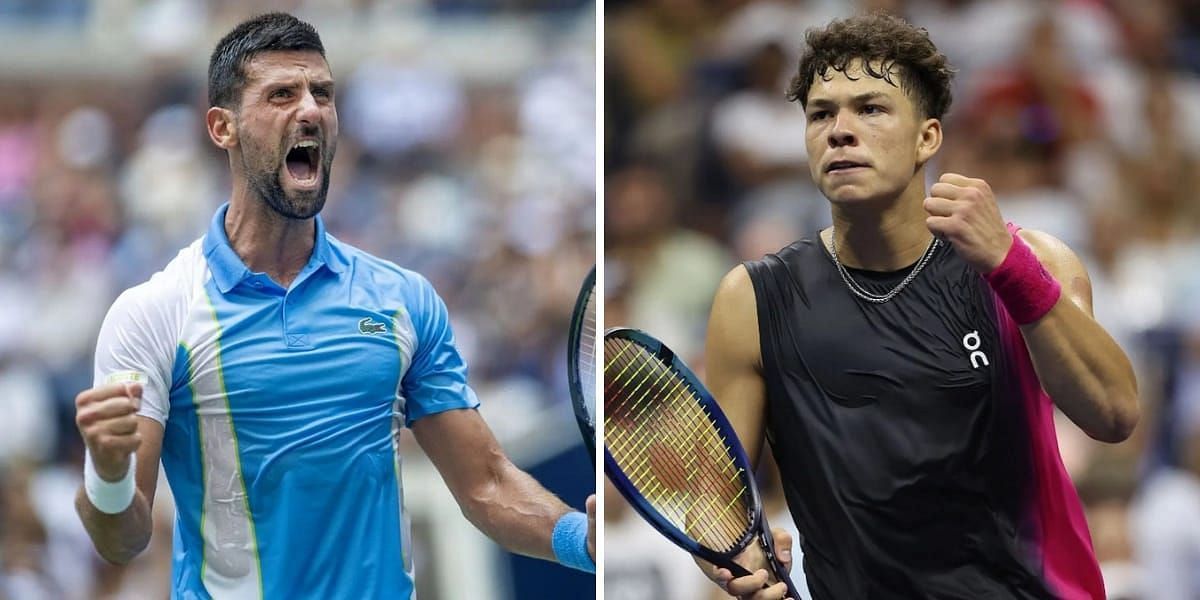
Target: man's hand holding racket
{"points": [[755, 586]]}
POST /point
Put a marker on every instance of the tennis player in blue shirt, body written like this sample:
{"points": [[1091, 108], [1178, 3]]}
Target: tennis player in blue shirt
{"points": [[270, 367]]}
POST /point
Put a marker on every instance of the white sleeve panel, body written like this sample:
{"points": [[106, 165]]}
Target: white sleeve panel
{"points": [[138, 341]]}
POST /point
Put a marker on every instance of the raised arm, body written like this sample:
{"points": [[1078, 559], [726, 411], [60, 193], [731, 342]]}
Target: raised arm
{"points": [[1078, 363], [112, 431], [503, 501]]}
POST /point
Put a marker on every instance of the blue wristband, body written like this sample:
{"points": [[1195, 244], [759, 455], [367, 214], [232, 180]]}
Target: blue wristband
{"points": [[570, 542]]}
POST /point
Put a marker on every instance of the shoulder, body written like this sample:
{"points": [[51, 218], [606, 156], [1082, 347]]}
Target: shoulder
{"points": [[152, 314], [382, 283], [734, 311], [789, 261], [1061, 262], [378, 271], [168, 292], [736, 287], [1048, 249], [1055, 255]]}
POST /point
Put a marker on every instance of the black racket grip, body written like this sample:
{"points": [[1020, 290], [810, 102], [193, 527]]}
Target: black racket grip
{"points": [[768, 542], [776, 567]]}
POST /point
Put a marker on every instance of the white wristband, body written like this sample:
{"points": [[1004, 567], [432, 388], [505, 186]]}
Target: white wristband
{"points": [[110, 497]]}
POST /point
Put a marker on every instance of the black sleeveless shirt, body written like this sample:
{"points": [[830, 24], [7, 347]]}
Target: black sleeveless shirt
{"points": [[911, 441]]}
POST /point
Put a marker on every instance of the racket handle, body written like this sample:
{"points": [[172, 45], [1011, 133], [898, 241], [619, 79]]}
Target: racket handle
{"points": [[737, 570], [768, 542], [776, 569], [781, 575], [740, 571]]}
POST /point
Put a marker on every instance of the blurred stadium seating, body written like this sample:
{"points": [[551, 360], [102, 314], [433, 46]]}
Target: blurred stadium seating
{"points": [[1083, 115], [467, 152]]}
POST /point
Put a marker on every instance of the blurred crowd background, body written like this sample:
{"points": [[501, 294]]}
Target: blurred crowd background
{"points": [[467, 152], [1083, 116]]}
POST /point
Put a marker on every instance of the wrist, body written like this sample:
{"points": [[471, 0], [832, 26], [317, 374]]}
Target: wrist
{"points": [[1023, 285], [109, 496], [112, 473], [997, 260], [570, 540]]}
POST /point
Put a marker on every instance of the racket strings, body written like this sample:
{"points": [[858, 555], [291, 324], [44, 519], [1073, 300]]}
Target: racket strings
{"points": [[587, 355], [698, 517], [658, 432]]}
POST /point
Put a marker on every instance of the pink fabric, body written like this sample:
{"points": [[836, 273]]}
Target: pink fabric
{"points": [[1023, 284], [1068, 560]]}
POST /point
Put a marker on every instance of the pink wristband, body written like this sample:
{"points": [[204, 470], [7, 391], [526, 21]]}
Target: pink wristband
{"points": [[1027, 290]]}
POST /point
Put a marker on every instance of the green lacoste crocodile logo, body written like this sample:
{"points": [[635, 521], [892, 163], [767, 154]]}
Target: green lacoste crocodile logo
{"points": [[369, 327]]}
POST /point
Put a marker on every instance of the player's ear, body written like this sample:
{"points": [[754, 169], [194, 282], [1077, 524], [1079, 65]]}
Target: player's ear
{"points": [[222, 127], [929, 139]]}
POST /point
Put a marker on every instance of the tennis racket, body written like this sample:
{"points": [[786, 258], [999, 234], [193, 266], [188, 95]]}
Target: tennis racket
{"points": [[670, 451], [581, 361]]}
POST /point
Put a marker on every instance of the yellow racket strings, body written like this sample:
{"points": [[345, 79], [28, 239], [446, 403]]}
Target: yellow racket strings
{"points": [[587, 354], [665, 442]]}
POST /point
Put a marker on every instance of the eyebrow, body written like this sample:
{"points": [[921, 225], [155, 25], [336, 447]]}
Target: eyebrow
{"points": [[292, 83], [855, 100]]}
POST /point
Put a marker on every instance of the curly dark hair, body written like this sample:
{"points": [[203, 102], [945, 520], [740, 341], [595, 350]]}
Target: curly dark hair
{"points": [[882, 41]]}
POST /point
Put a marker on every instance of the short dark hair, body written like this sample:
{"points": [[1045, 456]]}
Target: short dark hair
{"points": [[264, 33], [882, 42]]}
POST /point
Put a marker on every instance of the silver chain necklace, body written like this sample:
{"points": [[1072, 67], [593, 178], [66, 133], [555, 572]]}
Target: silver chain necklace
{"points": [[867, 295]]}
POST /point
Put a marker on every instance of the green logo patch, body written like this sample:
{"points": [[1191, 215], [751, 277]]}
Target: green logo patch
{"points": [[368, 326]]}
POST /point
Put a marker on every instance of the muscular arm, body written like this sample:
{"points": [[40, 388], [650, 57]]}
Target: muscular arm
{"points": [[501, 500], [733, 366], [119, 538], [733, 362], [1078, 363]]}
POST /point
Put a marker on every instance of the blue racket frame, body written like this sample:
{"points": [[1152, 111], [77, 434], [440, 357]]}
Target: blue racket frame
{"points": [[758, 528], [587, 423]]}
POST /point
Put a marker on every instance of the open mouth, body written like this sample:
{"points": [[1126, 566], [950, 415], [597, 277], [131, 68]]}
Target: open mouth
{"points": [[302, 161], [843, 165]]}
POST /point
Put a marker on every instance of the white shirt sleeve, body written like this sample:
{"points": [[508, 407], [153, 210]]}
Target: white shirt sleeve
{"points": [[137, 342]]}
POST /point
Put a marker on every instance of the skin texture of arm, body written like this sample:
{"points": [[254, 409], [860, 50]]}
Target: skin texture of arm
{"points": [[1078, 363], [503, 501], [733, 361], [733, 367], [119, 538]]}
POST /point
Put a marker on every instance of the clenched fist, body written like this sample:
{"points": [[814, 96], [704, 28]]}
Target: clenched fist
{"points": [[107, 420], [963, 212]]}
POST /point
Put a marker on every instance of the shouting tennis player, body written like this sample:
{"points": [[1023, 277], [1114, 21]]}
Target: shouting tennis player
{"points": [[905, 363], [270, 367]]}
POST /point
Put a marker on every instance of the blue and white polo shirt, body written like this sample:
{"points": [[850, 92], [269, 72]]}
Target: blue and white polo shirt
{"points": [[281, 410]]}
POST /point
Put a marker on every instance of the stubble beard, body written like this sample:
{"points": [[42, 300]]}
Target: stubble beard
{"points": [[299, 205]]}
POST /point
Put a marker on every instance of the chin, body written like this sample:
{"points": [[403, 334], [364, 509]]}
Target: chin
{"points": [[288, 201], [853, 195], [298, 204], [847, 195]]}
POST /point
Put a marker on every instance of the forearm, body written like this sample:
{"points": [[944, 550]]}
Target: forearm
{"points": [[515, 511], [118, 538], [1084, 371]]}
